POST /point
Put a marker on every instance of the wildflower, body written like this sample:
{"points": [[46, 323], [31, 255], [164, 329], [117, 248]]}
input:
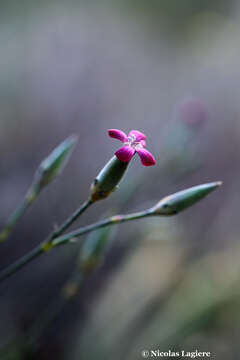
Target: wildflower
{"points": [[134, 142]]}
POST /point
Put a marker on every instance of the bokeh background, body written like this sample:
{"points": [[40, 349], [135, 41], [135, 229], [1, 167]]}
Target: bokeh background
{"points": [[171, 70]]}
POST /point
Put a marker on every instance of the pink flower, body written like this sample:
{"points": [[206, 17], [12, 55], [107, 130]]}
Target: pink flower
{"points": [[134, 142]]}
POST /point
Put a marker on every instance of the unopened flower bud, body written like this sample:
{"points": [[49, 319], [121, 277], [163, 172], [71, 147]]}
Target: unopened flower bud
{"points": [[181, 200], [54, 163], [94, 249], [108, 179]]}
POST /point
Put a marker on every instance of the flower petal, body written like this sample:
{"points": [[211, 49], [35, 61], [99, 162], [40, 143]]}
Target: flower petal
{"points": [[147, 159], [138, 135], [143, 143], [117, 134], [125, 153]]}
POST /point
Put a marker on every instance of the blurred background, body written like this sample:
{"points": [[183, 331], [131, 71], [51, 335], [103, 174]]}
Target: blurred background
{"points": [[171, 70]]}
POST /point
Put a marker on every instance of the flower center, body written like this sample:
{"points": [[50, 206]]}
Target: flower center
{"points": [[132, 142]]}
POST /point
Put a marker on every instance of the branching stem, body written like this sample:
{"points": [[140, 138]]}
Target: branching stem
{"points": [[54, 241]]}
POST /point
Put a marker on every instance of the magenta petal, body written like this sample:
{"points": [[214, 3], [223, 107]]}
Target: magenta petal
{"points": [[143, 143], [146, 157], [117, 134], [138, 135], [125, 153]]}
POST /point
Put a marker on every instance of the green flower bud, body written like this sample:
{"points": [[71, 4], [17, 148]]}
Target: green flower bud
{"points": [[108, 179], [54, 163], [94, 248], [181, 200]]}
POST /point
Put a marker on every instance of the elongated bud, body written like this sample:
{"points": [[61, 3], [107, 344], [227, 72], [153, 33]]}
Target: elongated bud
{"points": [[181, 200], [108, 179], [46, 172], [94, 249], [54, 163]]}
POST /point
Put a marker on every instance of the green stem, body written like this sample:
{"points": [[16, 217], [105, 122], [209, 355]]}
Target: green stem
{"points": [[37, 251], [113, 220], [62, 240], [45, 245], [70, 220], [18, 213]]}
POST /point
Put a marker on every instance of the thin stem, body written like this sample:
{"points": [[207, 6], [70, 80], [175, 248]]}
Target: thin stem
{"points": [[113, 220], [62, 240], [46, 245], [26, 259], [70, 220], [19, 212]]}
